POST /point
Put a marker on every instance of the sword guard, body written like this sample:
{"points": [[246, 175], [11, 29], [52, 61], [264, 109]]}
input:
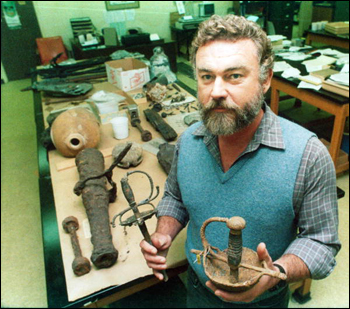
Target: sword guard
{"points": [[138, 217], [143, 216]]}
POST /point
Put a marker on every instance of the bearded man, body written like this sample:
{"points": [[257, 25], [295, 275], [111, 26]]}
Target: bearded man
{"points": [[243, 160]]}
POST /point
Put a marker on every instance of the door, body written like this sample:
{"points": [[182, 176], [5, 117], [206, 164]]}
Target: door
{"points": [[19, 29]]}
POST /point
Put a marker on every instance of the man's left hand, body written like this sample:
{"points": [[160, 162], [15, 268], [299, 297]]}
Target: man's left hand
{"points": [[266, 282]]}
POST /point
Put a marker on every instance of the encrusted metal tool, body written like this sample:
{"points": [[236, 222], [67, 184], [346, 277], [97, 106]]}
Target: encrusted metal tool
{"points": [[81, 265], [138, 217], [136, 122], [237, 268]]}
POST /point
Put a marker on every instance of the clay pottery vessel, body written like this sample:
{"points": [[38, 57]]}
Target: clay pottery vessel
{"points": [[74, 130]]}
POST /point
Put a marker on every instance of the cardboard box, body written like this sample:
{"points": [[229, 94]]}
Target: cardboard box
{"points": [[127, 74]]}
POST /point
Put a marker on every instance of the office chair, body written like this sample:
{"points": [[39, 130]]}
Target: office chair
{"points": [[49, 48]]}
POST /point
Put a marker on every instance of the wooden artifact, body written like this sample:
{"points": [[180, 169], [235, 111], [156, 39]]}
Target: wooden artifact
{"points": [[96, 199], [81, 265], [160, 125], [237, 268]]}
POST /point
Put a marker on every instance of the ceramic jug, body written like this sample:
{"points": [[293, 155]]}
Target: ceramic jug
{"points": [[74, 130]]}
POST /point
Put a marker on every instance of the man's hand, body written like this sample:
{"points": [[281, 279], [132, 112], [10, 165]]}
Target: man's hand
{"points": [[155, 255], [266, 282]]}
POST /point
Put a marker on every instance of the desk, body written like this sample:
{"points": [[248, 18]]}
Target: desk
{"points": [[330, 102], [327, 38], [169, 48], [49, 185]]}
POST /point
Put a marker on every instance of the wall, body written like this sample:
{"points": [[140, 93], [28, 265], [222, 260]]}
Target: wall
{"points": [[151, 17]]}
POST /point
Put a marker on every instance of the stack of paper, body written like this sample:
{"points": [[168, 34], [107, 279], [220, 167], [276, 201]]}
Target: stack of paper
{"points": [[320, 63], [340, 78], [276, 41], [338, 83], [337, 28]]}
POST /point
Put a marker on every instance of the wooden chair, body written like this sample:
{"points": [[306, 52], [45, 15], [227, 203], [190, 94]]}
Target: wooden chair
{"points": [[49, 48]]}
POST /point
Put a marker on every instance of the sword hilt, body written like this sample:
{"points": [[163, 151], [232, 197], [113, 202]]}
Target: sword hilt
{"points": [[138, 217], [143, 216], [129, 195]]}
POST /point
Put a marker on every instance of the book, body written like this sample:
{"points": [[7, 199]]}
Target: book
{"points": [[311, 79], [323, 74], [337, 28], [336, 88]]}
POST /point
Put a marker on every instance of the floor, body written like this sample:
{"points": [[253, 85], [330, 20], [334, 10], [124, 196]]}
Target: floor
{"points": [[22, 263]]}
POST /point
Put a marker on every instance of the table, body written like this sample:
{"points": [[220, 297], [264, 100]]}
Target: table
{"points": [[50, 181], [169, 48], [327, 38], [332, 103]]}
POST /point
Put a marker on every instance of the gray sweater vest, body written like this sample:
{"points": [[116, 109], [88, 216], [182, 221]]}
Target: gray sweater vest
{"points": [[258, 187]]}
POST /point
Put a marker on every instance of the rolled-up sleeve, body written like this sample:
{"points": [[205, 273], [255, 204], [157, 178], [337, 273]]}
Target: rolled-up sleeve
{"points": [[317, 242], [171, 202]]}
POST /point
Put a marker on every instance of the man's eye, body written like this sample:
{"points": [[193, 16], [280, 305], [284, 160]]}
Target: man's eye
{"points": [[206, 77], [235, 76]]}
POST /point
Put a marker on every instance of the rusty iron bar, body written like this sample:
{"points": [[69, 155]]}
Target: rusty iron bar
{"points": [[81, 265]]}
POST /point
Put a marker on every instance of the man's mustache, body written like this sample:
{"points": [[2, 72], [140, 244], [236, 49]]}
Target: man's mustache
{"points": [[221, 103]]}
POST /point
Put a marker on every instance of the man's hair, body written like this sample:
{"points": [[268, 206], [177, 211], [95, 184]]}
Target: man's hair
{"points": [[234, 28]]}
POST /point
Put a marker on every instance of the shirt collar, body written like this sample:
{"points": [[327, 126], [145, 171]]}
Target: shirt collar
{"points": [[269, 132]]}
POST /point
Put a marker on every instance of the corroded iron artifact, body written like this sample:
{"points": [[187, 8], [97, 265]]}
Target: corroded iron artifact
{"points": [[133, 157], [237, 268], [156, 93], [138, 217], [165, 156], [136, 122], [96, 199], [81, 265], [160, 125]]}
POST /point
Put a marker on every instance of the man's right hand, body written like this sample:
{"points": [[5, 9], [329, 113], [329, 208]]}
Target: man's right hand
{"points": [[155, 255]]}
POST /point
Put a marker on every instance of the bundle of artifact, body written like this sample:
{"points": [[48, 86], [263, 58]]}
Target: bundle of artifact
{"points": [[91, 66], [237, 268], [60, 88], [96, 199]]}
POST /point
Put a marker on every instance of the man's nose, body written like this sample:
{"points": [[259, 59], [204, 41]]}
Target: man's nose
{"points": [[219, 89]]}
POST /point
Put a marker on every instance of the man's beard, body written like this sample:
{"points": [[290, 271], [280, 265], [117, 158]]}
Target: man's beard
{"points": [[234, 118]]}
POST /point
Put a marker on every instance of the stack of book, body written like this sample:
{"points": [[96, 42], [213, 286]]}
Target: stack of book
{"points": [[337, 83], [276, 41], [337, 28]]}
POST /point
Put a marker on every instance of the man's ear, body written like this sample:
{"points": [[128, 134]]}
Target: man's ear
{"points": [[267, 83]]}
